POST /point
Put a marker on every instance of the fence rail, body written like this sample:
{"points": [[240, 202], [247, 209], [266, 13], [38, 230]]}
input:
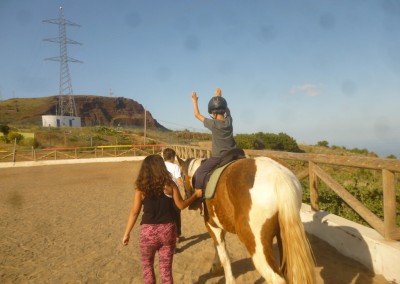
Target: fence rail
{"points": [[388, 167], [22, 155]]}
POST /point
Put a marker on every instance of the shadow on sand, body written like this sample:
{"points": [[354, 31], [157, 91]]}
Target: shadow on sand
{"points": [[191, 241], [332, 266], [347, 270], [239, 267]]}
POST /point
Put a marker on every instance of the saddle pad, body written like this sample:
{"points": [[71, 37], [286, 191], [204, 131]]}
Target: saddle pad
{"points": [[212, 182]]}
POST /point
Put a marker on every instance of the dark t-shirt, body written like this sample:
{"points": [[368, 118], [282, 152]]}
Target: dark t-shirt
{"points": [[222, 135], [158, 210]]}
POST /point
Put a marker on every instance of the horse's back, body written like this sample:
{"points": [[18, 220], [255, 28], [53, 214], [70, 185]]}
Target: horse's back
{"points": [[258, 179]]}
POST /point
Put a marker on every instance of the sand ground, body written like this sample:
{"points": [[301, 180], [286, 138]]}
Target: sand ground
{"points": [[64, 224]]}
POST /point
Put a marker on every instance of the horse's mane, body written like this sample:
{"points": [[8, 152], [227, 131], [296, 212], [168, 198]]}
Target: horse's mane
{"points": [[187, 162]]}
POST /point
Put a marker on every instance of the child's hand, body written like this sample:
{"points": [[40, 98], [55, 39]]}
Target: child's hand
{"points": [[194, 96], [218, 92]]}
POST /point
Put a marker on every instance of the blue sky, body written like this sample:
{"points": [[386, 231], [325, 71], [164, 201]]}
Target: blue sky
{"points": [[313, 69]]}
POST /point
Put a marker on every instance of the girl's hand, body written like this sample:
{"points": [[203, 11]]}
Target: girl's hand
{"points": [[125, 240], [218, 92], [199, 193]]}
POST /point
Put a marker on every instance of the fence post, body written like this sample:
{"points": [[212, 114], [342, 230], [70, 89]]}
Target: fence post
{"points": [[389, 203], [14, 150], [313, 187]]}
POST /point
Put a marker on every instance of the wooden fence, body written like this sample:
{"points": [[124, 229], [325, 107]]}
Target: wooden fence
{"points": [[388, 167], [20, 155]]}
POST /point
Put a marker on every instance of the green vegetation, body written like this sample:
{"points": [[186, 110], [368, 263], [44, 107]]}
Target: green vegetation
{"points": [[25, 112], [269, 141]]}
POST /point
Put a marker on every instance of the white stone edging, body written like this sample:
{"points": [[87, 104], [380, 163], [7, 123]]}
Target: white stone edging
{"points": [[356, 241]]}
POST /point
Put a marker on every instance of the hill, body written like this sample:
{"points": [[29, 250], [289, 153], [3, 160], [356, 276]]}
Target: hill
{"points": [[93, 110]]}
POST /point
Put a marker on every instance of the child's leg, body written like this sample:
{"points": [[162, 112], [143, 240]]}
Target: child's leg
{"points": [[203, 170], [166, 252], [148, 247]]}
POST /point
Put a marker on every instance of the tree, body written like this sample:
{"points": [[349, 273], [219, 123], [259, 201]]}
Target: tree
{"points": [[4, 129], [323, 143]]}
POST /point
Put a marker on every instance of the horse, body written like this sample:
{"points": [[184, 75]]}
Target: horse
{"points": [[257, 199]]}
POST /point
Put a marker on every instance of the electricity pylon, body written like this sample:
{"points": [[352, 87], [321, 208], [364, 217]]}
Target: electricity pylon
{"points": [[66, 102]]}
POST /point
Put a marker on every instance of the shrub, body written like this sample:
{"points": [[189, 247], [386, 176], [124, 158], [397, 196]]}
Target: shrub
{"points": [[14, 136], [323, 143], [104, 130], [245, 141], [260, 141]]}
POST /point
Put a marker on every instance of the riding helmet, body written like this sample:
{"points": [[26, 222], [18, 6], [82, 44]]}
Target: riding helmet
{"points": [[217, 105]]}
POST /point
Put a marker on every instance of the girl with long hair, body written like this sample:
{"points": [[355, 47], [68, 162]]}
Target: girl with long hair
{"points": [[157, 193]]}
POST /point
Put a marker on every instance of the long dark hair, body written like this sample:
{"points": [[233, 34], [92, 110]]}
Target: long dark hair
{"points": [[153, 176]]}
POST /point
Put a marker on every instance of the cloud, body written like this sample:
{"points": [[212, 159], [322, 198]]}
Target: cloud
{"points": [[309, 90]]}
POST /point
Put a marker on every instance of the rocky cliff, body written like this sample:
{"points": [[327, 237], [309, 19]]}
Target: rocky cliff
{"points": [[93, 110]]}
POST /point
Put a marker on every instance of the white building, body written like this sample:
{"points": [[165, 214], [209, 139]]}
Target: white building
{"points": [[61, 121]]}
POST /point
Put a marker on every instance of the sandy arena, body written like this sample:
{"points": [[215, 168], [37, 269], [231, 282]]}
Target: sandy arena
{"points": [[64, 224]]}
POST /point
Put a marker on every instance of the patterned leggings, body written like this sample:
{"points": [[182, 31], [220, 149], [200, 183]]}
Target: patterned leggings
{"points": [[161, 238]]}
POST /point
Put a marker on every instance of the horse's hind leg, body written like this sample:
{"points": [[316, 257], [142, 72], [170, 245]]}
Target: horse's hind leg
{"points": [[216, 265], [264, 257], [218, 236], [261, 249]]}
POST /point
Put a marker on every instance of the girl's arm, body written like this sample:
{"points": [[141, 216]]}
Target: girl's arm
{"points": [[133, 215], [182, 204]]}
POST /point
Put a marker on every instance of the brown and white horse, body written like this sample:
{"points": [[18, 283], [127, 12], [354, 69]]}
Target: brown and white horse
{"points": [[258, 199]]}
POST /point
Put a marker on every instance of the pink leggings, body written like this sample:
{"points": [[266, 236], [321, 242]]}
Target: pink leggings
{"points": [[161, 238]]}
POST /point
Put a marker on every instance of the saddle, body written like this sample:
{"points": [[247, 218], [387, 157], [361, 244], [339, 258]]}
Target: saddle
{"points": [[213, 176]]}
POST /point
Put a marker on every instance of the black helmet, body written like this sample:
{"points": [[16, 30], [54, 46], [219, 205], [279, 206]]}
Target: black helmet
{"points": [[217, 105]]}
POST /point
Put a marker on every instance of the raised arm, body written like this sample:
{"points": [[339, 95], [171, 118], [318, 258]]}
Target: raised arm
{"points": [[218, 93], [197, 113]]}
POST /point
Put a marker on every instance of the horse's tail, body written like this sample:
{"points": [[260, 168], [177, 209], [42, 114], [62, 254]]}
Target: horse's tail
{"points": [[297, 260]]}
